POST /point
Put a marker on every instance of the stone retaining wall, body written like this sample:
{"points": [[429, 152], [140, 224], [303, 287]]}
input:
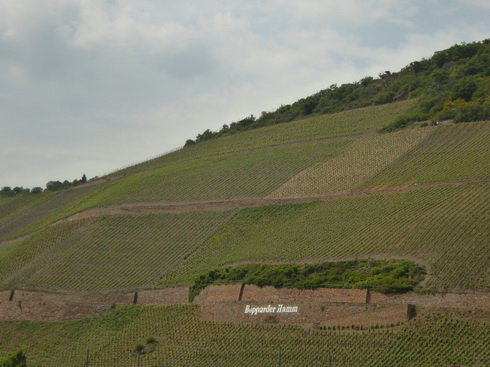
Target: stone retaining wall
{"points": [[238, 292], [254, 293], [19, 311], [472, 299], [80, 298], [219, 293], [39, 306], [324, 307]]}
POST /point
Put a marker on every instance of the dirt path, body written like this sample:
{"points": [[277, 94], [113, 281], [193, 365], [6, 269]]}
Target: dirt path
{"points": [[237, 203], [245, 202]]}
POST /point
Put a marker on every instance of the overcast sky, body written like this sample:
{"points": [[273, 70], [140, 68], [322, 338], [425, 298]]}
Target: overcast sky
{"points": [[90, 86]]}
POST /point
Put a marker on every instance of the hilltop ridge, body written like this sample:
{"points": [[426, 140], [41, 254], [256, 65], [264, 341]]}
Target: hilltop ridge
{"points": [[452, 84]]}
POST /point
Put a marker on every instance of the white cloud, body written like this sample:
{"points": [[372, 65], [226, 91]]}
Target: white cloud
{"points": [[98, 84], [348, 13], [483, 4]]}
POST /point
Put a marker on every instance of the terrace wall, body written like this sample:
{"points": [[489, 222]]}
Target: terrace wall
{"points": [[39, 306], [468, 299], [326, 307], [256, 305], [237, 292], [254, 293], [48, 312], [26, 297], [219, 293]]}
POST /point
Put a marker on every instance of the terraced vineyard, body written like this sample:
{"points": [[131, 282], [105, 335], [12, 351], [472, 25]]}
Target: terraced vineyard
{"points": [[251, 173], [454, 152], [174, 336], [362, 158], [108, 252], [324, 188], [121, 251], [27, 213]]}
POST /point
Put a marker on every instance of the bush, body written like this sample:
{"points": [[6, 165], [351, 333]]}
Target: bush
{"points": [[395, 276], [472, 111], [139, 348], [467, 113], [404, 120], [464, 89], [17, 359]]}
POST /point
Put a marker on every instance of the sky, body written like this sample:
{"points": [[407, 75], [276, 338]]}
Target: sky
{"points": [[91, 86]]}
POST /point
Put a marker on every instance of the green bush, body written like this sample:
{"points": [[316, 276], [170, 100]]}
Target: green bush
{"points": [[139, 348], [151, 340], [394, 276], [16, 359]]}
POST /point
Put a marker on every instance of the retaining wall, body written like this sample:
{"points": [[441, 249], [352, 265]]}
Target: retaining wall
{"points": [[254, 293], [39, 306], [79, 298], [257, 305], [470, 299], [19, 311], [238, 292], [219, 293]]}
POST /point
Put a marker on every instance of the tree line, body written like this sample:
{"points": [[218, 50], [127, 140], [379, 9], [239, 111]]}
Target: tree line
{"points": [[453, 84], [8, 191]]}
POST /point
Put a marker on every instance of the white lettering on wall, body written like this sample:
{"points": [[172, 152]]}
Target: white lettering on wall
{"points": [[270, 309]]}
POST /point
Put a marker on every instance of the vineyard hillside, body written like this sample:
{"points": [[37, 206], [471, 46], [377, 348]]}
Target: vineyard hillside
{"points": [[324, 188]]}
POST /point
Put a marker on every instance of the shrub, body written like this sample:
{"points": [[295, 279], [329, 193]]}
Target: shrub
{"points": [[16, 359], [139, 348], [395, 276]]}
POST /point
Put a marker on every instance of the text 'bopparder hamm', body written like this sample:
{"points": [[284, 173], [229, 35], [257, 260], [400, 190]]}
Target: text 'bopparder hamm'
{"points": [[270, 309]]}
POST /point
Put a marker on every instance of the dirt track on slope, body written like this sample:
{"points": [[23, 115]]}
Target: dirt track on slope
{"points": [[237, 203], [245, 202]]}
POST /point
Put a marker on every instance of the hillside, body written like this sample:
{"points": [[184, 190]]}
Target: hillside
{"points": [[326, 187], [350, 192]]}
